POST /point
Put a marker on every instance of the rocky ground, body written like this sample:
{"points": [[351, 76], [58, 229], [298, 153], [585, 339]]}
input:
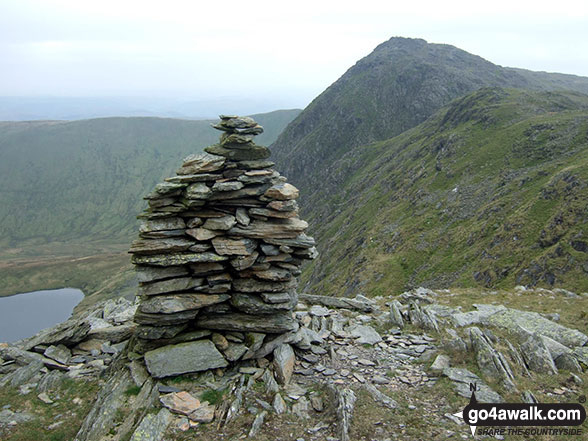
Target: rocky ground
{"points": [[357, 369]]}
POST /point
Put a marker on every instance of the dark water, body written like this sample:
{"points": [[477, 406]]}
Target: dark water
{"points": [[23, 315]]}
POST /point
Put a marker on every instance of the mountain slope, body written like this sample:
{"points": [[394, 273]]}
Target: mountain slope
{"points": [[400, 84], [83, 181], [491, 190]]}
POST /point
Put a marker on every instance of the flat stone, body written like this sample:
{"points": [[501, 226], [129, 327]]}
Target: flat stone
{"points": [[537, 355], [202, 234], [284, 363], [198, 190], [253, 152], [255, 164], [274, 229], [275, 324], [154, 246], [171, 285], [365, 334], [234, 247], [280, 297], [207, 269], [150, 274], [396, 315], [462, 379], [264, 212], [176, 318], [279, 404], [168, 304], [182, 358], [235, 351], [227, 186], [152, 426], [180, 402], [220, 223], [282, 192], [441, 362], [201, 163], [199, 177], [256, 286], [274, 275], [177, 259], [532, 322], [159, 332], [203, 414], [243, 262], [254, 304], [170, 223], [58, 353]]}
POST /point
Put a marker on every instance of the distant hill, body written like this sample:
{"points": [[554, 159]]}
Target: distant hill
{"points": [[491, 190], [396, 87], [83, 181], [370, 187]]}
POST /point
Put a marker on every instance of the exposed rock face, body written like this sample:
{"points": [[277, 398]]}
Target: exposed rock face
{"points": [[219, 249]]}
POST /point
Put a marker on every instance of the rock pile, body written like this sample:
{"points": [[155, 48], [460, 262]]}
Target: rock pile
{"points": [[217, 257]]}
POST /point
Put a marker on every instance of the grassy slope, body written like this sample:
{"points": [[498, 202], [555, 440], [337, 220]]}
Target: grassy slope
{"points": [[73, 189], [491, 190], [396, 87]]}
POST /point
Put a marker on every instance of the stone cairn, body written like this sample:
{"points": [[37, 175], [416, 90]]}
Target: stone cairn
{"points": [[218, 253]]}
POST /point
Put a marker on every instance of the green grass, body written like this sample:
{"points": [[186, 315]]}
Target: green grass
{"points": [[71, 415], [491, 198]]}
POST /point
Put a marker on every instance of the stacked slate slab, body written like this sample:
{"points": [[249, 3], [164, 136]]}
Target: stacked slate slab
{"points": [[217, 258]]}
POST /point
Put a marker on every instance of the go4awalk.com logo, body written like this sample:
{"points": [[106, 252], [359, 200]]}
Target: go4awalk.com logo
{"points": [[523, 419]]}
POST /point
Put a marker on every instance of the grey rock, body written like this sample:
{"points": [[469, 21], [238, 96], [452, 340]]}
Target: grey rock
{"points": [[234, 247], [107, 405], [462, 379], [150, 274], [396, 314], [254, 304], [279, 404], [338, 302], [169, 304], [378, 396], [58, 353], [68, 333], [441, 362], [243, 262], [227, 186], [7, 416], [581, 354], [220, 223], [256, 286], [165, 319], [276, 323], [177, 259], [235, 351], [152, 426], [257, 423], [170, 223], [171, 285], [201, 163], [182, 358], [282, 192], [242, 217], [269, 250], [284, 363], [555, 348], [490, 361], [532, 322], [537, 355], [155, 246], [365, 334], [568, 362], [23, 374], [274, 229]]}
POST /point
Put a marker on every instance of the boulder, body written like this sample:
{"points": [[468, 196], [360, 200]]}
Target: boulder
{"points": [[183, 358]]}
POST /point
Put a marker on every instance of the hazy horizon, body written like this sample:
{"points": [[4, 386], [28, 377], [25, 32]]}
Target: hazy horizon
{"points": [[256, 58]]}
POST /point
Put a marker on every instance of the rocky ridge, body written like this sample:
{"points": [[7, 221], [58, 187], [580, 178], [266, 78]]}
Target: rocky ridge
{"points": [[218, 253], [386, 355]]}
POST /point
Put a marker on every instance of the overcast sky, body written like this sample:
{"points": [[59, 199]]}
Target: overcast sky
{"points": [[291, 50]]}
